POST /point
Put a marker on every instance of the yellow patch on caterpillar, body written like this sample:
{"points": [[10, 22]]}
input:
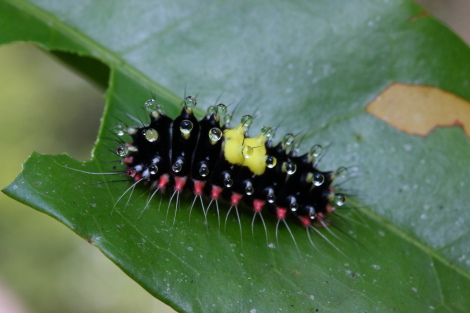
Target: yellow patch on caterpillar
{"points": [[249, 152], [233, 144], [256, 160]]}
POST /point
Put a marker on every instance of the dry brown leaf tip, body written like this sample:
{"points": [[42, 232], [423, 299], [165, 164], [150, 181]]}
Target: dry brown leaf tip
{"points": [[418, 109]]}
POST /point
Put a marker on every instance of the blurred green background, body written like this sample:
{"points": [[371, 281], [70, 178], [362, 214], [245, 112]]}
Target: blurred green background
{"points": [[45, 107]]}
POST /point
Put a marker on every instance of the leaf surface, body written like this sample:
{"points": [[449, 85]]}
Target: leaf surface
{"points": [[309, 67]]}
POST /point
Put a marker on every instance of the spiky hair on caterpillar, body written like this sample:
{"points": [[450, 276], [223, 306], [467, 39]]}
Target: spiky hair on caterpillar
{"points": [[213, 160]]}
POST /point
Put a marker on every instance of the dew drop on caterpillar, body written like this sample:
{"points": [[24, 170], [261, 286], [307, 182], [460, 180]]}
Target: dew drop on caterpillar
{"points": [[217, 162]]}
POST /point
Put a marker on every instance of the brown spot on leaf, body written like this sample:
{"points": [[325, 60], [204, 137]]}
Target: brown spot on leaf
{"points": [[417, 110], [418, 16]]}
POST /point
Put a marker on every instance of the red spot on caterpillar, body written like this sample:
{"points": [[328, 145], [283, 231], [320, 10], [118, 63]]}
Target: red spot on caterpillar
{"points": [[179, 183], [215, 192], [163, 181], [130, 172], [198, 187], [305, 221], [281, 213], [235, 198], [258, 205], [329, 209]]}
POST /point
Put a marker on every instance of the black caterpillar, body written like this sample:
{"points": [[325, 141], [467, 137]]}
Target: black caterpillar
{"points": [[212, 159]]}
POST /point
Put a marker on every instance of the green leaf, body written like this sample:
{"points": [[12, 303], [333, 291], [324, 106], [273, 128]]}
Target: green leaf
{"points": [[309, 67]]}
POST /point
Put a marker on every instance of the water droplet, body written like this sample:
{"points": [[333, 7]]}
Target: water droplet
{"points": [[190, 102], [247, 151], [119, 129], [153, 169], [293, 204], [267, 131], [186, 126], [288, 139], [341, 172], [311, 212], [271, 161], [150, 134], [339, 199], [177, 166], [247, 120], [155, 114], [151, 105], [289, 167], [211, 110], [270, 197], [221, 109], [132, 149], [121, 151], [315, 151], [203, 170], [215, 134], [318, 179], [249, 188], [228, 182], [131, 130], [227, 119]]}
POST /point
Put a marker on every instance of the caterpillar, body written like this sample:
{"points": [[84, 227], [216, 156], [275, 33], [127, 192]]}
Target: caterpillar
{"points": [[213, 160]]}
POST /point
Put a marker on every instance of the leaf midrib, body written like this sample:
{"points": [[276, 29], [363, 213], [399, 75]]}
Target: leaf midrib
{"points": [[408, 238]]}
